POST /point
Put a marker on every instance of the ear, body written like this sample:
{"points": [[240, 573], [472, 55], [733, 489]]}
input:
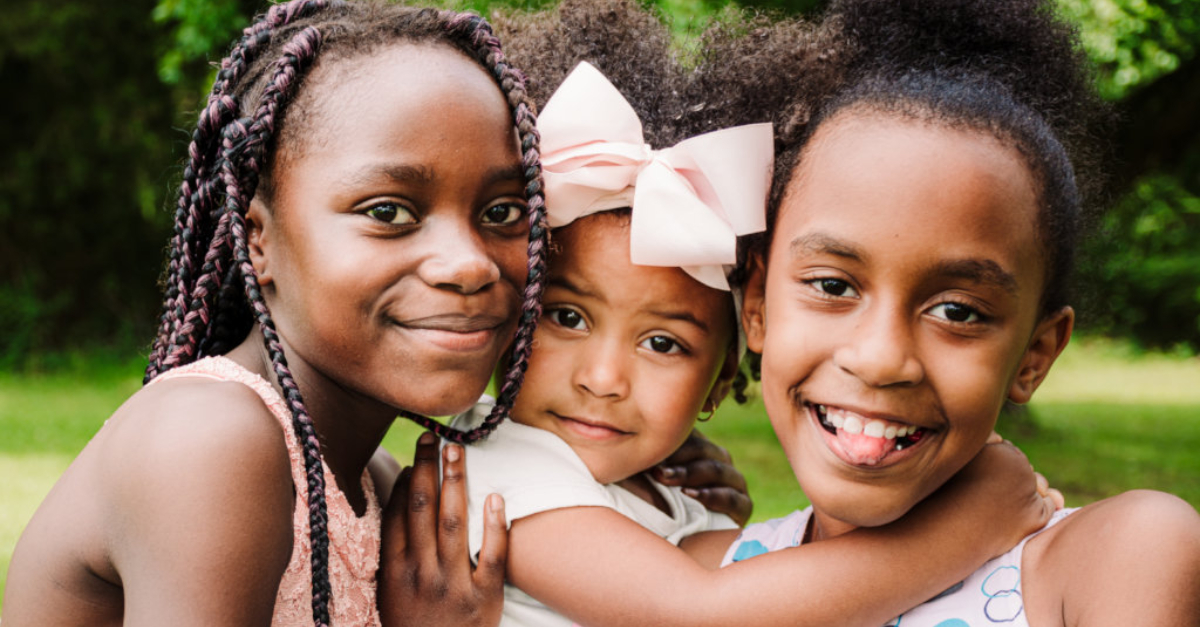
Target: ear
{"points": [[1049, 339], [258, 222], [754, 301], [724, 383]]}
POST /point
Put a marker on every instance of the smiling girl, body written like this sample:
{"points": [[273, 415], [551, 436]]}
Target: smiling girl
{"points": [[359, 230], [914, 278]]}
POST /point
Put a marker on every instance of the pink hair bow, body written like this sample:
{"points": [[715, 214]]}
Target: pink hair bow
{"points": [[690, 202]]}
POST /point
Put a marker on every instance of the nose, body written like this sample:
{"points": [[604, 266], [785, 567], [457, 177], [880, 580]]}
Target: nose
{"points": [[601, 370], [881, 350], [458, 259]]}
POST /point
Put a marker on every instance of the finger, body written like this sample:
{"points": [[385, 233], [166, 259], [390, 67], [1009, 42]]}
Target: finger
{"points": [[423, 500], [393, 535], [1058, 499], [737, 505], [707, 473], [1043, 486], [489, 573], [995, 438], [452, 518], [696, 447]]}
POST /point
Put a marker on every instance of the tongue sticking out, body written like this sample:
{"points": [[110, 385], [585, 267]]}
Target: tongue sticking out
{"points": [[864, 449]]}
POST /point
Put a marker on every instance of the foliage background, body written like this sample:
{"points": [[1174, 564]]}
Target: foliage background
{"points": [[101, 97]]}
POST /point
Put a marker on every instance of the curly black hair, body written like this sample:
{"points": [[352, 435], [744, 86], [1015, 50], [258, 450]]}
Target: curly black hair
{"points": [[629, 44], [1009, 68]]}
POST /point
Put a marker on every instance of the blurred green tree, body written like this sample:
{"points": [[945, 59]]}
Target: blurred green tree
{"points": [[101, 97]]}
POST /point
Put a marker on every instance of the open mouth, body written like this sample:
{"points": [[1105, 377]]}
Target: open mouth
{"points": [[867, 440]]}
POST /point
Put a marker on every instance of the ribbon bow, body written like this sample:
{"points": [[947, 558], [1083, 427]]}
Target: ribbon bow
{"points": [[690, 202]]}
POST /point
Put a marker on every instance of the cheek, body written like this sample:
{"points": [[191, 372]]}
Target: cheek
{"points": [[512, 257]]}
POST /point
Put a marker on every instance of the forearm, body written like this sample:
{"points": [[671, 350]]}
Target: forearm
{"points": [[566, 560]]}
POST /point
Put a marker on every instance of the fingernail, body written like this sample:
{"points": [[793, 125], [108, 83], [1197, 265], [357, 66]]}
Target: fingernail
{"points": [[692, 492], [426, 439], [668, 472], [453, 452], [495, 505]]}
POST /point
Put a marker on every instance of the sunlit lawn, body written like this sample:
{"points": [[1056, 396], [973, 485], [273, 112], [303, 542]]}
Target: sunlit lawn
{"points": [[1107, 420]]}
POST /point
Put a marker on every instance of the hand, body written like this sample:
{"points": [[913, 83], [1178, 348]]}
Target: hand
{"points": [[1013, 500], [706, 473], [1043, 484], [425, 574]]}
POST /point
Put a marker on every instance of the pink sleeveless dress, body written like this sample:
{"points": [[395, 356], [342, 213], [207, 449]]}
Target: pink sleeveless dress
{"points": [[354, 541]]}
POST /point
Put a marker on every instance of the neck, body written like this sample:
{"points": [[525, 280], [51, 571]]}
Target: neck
{"points": [[349, 426], [823, 527]]}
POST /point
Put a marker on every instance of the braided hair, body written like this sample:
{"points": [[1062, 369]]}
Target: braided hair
{"points": [[211, 295]]}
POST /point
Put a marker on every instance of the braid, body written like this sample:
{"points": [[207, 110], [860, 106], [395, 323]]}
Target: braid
{"points": [[211, 293], [478, 34], [196, 205], [204, 311]]}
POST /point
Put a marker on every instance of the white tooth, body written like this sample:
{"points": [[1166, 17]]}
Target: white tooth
{"points": [[890, 432], [873, 428], [853, 424], [909, 430], [837, 419]]}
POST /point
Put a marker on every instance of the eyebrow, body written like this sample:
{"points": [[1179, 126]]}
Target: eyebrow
{"points": [[400, 173], [983, 271], [395, 172], [504, 173], [682, 316], [817, 243], [570, 287]]}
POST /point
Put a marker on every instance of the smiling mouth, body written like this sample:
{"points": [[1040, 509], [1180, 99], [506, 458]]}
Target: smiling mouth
{"points": [[590, 429], [454, 323], [867, 441], [456, 332]]}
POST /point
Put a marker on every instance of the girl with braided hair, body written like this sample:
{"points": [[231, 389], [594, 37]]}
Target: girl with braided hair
{"points": [[359, 233]]}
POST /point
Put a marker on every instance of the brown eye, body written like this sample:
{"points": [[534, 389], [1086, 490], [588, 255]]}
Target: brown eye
{"points": [[503, 214], [566, 318], [956, 312], [662, 344], [391, 213]]}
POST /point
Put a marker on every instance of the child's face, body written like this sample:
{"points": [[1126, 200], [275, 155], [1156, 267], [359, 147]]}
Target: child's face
{"points": [[394, 249], [624, 356], [902, 294]]}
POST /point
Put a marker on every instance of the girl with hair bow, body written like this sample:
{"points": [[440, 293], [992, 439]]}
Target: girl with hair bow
{"points": [[638, 336]]}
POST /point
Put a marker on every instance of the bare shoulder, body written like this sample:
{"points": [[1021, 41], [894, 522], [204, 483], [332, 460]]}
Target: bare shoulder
{"points": [[1130, 559], [184, 496]]}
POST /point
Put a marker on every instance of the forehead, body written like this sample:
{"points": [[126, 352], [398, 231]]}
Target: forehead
{"points": [[592, 255], [904, 188], [429, 85]]}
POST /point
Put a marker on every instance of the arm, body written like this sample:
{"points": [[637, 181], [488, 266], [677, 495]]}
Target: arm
{"points": [[198, 494], [1133, 559], [565, 558], [425, 575]]}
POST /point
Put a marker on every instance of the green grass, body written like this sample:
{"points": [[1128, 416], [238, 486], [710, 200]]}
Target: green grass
{"points": [[1108, 419]]}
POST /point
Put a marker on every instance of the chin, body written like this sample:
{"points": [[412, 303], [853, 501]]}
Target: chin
{"points": [[445, 400], [861, 506]]}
